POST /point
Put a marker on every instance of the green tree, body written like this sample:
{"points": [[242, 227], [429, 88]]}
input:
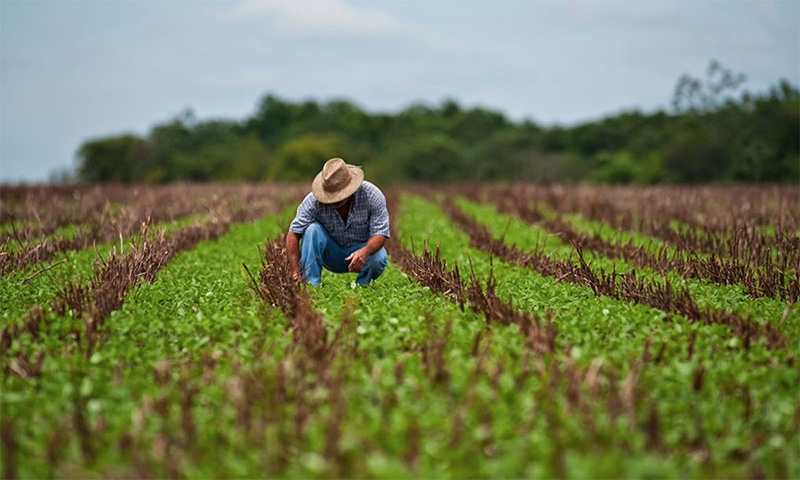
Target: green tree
{"points": [[703, 96], [300, 158], [271, 119], [506, 154], [433, 158], [111, 159], [475, 124]]}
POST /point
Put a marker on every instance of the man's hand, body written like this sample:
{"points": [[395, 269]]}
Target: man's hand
{"points": [[357, 260], [359, 257], [293, 254]]}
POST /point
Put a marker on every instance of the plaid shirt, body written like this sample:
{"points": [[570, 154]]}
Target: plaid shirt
{"points": [[367, 217]]}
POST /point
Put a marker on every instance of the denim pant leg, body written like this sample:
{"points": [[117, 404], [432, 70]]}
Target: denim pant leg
{"points": [[312, 248], [373, 267]]}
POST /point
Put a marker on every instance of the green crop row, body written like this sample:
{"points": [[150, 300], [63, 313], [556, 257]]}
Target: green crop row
{"points": [[40, 283], [706, 294]]}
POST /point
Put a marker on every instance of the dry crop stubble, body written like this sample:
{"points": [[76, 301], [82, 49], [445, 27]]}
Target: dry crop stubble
{"points": [[767, 264]]}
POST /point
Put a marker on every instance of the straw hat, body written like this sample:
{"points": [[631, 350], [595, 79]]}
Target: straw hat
{"points": [[336, 181]]}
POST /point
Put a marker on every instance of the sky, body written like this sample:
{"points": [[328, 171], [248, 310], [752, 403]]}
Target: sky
{"points": [[75, 70]]}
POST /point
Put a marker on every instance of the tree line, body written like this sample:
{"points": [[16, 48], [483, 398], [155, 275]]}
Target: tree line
{"points": [[714, 131]]}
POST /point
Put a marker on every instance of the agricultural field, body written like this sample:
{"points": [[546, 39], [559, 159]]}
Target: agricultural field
{"points": [[518, 331]]}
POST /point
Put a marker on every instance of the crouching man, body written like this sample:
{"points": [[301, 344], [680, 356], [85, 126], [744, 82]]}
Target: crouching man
{"points": [[341, 225]]}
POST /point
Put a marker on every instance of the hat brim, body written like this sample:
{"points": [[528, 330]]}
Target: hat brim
{"points": [[356, 179]]}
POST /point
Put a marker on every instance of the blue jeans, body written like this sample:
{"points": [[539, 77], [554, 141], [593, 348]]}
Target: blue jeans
{"points": [[318, 250]]}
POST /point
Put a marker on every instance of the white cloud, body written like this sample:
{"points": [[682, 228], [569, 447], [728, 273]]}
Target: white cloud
{"points": [[587, 12], [324, 48], [330, 23], [313, 18]]}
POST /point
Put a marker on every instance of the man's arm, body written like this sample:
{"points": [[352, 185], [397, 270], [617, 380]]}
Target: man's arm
{"points": [[306, 213], [358, 258], [293, 254]]}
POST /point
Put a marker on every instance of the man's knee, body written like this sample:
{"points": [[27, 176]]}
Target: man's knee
{"points": [[377, 261]]}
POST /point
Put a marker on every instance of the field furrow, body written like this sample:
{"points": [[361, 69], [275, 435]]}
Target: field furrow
{"points": [[747, 224], [774, 274], [110, 223], [431, 271], [662, 294], [43, 283]]}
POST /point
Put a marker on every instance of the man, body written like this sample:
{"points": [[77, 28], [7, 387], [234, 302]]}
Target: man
{"points": [[343, 224]]}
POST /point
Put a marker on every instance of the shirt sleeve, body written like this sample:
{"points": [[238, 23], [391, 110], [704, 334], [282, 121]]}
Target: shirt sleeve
{"points": [[378, 214], [306, 215]]}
